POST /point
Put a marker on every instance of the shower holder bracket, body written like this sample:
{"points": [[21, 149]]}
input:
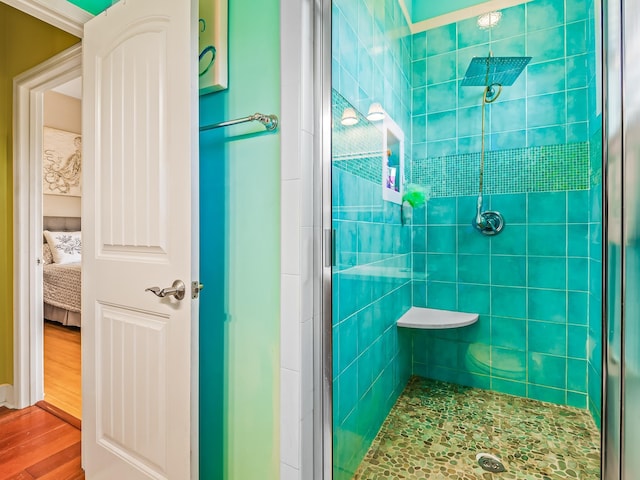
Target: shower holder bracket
{"points": [[492, 223]]}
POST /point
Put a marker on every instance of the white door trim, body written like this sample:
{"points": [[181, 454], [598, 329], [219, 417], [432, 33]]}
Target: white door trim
{"points": [[28, 103], [59, 13]]}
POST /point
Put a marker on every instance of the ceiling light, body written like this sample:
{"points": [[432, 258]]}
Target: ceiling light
{"points": [[489, 19], [349, 117], [376, 112]]}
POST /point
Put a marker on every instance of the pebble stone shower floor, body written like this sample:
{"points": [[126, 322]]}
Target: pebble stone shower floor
{"points": [[436, 429]]}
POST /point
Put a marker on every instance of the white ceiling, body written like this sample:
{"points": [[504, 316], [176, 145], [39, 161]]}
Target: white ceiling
{"points": [[72, 88]]}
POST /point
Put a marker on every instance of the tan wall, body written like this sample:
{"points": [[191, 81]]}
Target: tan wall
{"points": [[24, 43], [64, 113]]}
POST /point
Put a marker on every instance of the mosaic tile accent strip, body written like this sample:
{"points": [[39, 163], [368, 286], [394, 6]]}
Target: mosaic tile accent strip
{"points": [[368, 168], [551, 168], [436, 429]]}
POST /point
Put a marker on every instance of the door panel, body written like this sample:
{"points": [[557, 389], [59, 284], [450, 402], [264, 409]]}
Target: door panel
{"points": [[139, 231], [136, 429], [132, 206]]}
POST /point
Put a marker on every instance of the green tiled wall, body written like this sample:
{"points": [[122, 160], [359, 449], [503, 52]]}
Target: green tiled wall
{"points": [[355, 148], [372, 284], [536, 285], [530, 285], [371, 290], [547, 105], [372, 275], [371, 59]]}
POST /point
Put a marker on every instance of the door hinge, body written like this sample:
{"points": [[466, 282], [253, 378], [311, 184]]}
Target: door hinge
{"points": [[195, 289]]}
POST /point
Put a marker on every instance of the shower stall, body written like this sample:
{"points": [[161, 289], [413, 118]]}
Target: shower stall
{"points": [[466, 170]]}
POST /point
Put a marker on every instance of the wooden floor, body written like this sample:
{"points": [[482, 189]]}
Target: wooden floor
{"points": [[35, 444], [62, 368]]}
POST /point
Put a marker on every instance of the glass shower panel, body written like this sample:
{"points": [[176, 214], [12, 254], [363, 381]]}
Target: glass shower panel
{"points": [[537, 286], [371, 288]]}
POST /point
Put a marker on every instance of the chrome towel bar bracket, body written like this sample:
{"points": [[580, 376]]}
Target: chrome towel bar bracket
{"points": [[270, 122]]}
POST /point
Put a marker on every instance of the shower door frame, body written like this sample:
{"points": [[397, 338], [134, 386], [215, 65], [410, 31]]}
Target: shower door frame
{"points": [[611, 404], [323, 436], [610, 409]]}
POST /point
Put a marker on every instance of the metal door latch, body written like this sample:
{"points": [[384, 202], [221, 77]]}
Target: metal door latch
{"points": [[195, 289]]}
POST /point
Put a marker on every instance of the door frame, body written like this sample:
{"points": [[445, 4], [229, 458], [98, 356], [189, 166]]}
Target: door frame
{"points": [[59, 13], [28, 107]]}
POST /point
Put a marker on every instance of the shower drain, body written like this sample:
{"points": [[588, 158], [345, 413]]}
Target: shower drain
{"points": [[490, 463]]}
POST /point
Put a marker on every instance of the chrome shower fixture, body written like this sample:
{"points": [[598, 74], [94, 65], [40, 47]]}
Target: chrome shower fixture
{"points": [[489, 71], [492, 73], [489, 222]]}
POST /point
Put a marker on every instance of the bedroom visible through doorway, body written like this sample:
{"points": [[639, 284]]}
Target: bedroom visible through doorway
{"points": [[62, 246]]}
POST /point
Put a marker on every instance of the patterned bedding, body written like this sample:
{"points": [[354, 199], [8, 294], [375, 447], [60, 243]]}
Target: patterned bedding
{"points": [[62, 286]]}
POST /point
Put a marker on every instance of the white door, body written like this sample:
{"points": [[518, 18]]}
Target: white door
{"points": [[139, 230]]}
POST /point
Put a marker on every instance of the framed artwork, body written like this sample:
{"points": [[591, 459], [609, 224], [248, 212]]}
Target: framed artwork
{"points": [[212, 41], [61, 162]]}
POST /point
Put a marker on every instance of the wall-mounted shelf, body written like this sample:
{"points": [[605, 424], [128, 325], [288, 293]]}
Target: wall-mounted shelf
{"points": [[392, 161], [432, 318]]}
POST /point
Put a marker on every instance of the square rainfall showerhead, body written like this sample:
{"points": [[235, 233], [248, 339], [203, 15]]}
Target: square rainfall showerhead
{"points": [[485, 71]]}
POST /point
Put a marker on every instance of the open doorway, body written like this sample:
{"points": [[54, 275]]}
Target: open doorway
{"points": [[47, 168], [62, 246]]}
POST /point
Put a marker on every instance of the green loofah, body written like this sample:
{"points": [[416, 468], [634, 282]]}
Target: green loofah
{"points": [[415, 195]]}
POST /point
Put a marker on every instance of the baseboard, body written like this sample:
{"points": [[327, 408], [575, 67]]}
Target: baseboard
{"points": [[6, 395]]}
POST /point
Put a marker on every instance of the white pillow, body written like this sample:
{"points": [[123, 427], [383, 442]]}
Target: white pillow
{"points": [[66, 247]]}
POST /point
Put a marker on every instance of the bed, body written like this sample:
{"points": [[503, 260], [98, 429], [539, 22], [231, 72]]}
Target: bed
{"points": [[62, 270]]}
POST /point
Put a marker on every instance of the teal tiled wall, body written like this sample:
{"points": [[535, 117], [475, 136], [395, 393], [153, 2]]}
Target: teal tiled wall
{"points": [[530, 285], [546, 105], [371, 57], [536, 285], [371, 62], [371, 290]]}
